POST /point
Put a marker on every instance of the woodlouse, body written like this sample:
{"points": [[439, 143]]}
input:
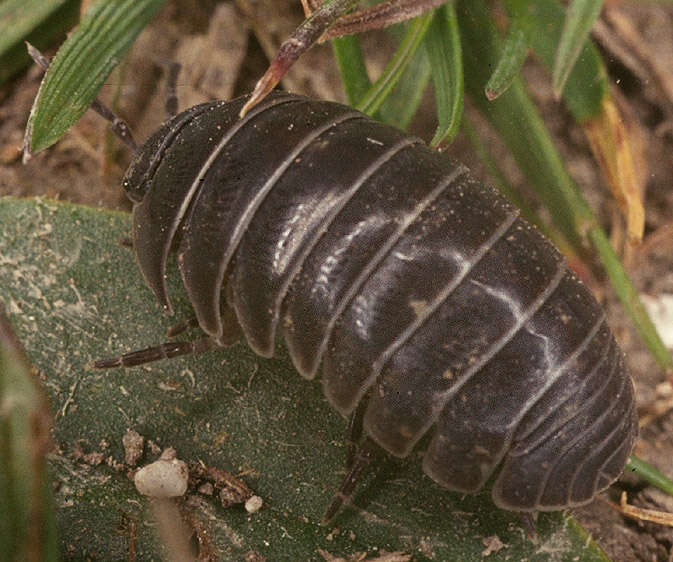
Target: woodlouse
{"points": [[431, 305]]}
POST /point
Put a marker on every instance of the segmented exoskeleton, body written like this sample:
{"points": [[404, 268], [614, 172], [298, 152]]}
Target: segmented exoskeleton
{"points": [[432, 307]]}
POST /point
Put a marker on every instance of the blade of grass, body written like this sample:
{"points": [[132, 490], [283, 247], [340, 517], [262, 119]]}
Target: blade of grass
{"points": [[19, 17], [518, 123], [579, 20], [650, 474], [352, 67], [401, 105], [587, 83], [27, 520], [514, 52], [38, 21], [629, 297], [443, 46], [81, 66], [377, 94], [587, 96]]}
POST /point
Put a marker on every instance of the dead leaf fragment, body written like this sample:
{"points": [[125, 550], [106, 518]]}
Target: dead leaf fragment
{"points": [[610, 137]]}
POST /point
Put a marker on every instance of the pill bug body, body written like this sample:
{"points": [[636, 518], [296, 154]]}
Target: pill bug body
{"points": [[418, 293]]}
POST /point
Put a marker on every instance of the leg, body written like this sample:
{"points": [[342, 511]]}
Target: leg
{"points": [[180, 327], [231, 329], [158, 352], [232, 333], [355, 432], [362, 458], [528, 523]]}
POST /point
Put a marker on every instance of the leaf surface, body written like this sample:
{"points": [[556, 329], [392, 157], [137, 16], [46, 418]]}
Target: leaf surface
{"points": [[74, 295]]}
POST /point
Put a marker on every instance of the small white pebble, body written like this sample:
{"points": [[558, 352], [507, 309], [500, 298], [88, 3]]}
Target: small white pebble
{"points": [[162, 479], [253, 504]]}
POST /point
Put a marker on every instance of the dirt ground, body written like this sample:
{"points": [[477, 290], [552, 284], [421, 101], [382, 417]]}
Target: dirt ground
{"points": [[224, 48]]}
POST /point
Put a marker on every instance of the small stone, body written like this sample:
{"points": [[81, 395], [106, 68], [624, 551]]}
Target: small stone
{"points": [[162, 479], [253, 504]]}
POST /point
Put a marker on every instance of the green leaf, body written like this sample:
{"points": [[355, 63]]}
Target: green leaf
{"points": [[629, 297], [444, 50], [75, 295], [518, 123], [393, 71], [27, 518], [351, 67], [648, 473], [40, 22], [514, 51], [81, 66], [587, 83], [401, 105], [579, 20]]}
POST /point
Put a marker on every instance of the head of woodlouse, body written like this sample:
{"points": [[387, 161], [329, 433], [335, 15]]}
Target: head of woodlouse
{"points": [[139, 173], [149, 156]]}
